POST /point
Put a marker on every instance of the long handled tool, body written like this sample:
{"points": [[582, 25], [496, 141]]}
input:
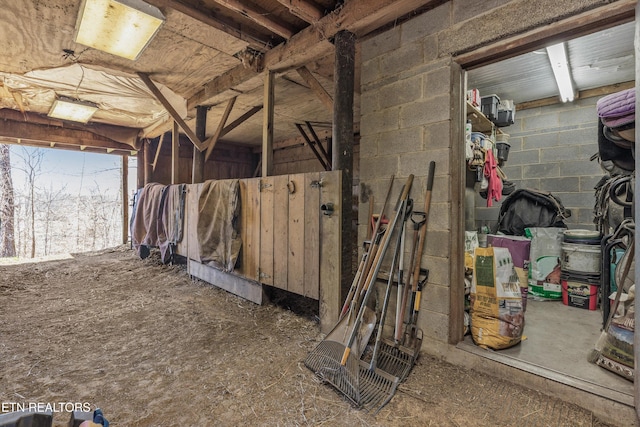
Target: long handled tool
{"points": [[377, 387], [367, 259], [373, 274], [335, 360], [397, 254], [397, 357], [417, 219], [415, 278]]}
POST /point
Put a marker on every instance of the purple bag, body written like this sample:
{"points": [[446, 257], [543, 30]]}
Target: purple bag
{"points": [[518, 246], [618, 109]]}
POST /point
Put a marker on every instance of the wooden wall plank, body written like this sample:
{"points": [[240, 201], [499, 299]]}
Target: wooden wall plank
{"points": [[312, 235], [253, 229], [330, 244], [243, 221], [281, 230], [295, 275], [193, 195], [266, 230]]}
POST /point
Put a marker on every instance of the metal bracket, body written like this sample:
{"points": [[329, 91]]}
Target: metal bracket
{"points": [[262, 275], [263, 186], [316, 184]]}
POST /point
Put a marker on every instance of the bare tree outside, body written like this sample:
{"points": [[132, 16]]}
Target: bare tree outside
{"points": [[52, 212], [32, 166], [51, 218], [7, 205]]}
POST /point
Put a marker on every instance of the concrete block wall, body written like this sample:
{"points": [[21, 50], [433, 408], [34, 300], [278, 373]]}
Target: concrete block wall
{"points": [[550, 151], [405, 124]]}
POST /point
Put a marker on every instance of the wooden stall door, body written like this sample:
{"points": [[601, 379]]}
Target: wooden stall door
{"points": [[280, 231], [289, 245]]}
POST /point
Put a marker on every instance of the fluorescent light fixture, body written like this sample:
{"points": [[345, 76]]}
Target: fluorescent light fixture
{"points": [[72, 109], [560, 66], [120, 27]]}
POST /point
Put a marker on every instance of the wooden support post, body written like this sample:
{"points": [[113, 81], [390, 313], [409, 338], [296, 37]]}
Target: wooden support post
{"points": [[172, 111], [342, 153], [197, 172], [267, 126], [316, 87], [148, 174], [237, 122], [158, 148], [213, 139], [175, 153], [125, 199], [140, 166]]}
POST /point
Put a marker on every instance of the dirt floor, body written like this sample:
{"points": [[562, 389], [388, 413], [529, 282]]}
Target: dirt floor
{"points": [[152, 347]]}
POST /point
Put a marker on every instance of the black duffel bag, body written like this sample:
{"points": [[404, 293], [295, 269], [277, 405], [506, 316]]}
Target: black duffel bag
{"points": [[531, 208]]}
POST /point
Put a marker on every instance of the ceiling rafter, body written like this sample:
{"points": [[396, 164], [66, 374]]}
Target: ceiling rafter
{"points": [[259, 16], [256, 40], [312, 43], [303, 9], [213, 139], [237, 122], [99, 130], [316, 88], [45, 135], [172, 112]]}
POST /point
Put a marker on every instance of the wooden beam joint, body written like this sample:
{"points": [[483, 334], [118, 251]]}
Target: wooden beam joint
{"points": [[172, 111]]}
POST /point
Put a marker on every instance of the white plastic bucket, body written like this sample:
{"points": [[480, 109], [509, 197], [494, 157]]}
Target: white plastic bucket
{"points": [[581, 258]]}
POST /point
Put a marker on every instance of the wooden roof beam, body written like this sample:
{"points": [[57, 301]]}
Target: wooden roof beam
{"points": [[174, 114], [316, 87], [254, 39], [259, 16], [237, 122], [357, 16], [101, 129], [303, 9], [221, 84], [67, 147], [213, 139], [22, 131]]}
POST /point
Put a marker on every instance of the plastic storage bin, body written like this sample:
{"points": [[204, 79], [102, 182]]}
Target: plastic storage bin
{"points": [[489, 106]]}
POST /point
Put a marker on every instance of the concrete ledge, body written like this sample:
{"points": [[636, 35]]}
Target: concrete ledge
{"points": [[609, 405]]}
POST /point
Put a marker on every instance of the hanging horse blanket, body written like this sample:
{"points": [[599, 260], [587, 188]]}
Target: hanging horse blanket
{"points": [[144, 227], [158, 220], [171, 220], [219, 239]]}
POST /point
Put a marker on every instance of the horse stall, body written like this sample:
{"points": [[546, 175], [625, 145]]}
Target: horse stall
{"points": [[241, 234]]}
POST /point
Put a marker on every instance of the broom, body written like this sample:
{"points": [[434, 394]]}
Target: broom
{"points": [[595, 353]]}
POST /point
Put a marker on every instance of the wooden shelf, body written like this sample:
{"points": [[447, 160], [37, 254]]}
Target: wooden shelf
{"points": [[479, 121]]}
